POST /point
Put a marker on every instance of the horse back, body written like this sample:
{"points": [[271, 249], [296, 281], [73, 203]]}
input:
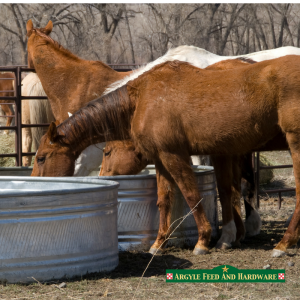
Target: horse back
{"points": [[210, 111]]}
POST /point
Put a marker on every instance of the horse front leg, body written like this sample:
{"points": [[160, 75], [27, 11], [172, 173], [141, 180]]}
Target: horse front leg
{"points": [[26, 146], [181, 171], [8, 112], [292, 234], [26, 133], [223, 170], [165, 198]]}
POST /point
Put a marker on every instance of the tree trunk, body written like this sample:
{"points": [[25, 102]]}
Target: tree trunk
{"points": [[107, 49], [130, 38]]}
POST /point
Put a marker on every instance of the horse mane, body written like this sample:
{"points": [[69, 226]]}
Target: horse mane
{"points": [[40, 32], [107, 117], [247, 60]]}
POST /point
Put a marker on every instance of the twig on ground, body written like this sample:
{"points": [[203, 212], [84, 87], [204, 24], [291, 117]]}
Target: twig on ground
{"points": [[183, 218], [36, 281]]}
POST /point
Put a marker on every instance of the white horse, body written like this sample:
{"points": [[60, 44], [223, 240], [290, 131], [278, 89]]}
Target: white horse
{"points": [[33, 112], [39, 111]]}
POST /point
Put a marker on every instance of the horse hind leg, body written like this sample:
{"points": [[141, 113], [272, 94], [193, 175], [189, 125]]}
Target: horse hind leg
{"points": [[236, 199], [231, 218], [292, 234], [165, 199], [182, 173], [253, 220]]}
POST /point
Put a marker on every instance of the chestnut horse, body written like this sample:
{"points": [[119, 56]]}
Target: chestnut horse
{"points": [[122, 158], [176, 110], [7, 85], [69, 81]]}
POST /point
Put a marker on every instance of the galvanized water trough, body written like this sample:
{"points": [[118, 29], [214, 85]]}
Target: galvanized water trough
{"points": [[55, 227], [138, 215]]}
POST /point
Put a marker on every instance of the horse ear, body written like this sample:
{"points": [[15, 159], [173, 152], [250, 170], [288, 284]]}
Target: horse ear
{"points": [[57, 122], [29, 26], [52, 132], [48, 28]]}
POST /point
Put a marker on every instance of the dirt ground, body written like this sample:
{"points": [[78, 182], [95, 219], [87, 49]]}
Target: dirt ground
{"points": [[125, 282]]}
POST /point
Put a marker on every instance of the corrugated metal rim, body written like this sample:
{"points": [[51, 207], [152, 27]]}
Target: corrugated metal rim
{"points": [[145, 176], [96, 185]]}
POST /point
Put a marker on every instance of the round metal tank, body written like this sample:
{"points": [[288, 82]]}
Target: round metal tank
{"points": [[138, 215], [56, 227]]}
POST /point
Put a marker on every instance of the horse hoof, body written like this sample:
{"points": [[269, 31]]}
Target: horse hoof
{"points": [[200, 251], [6, 132], [236, 244], [223, 246], [253, 223], [278, 253], [155, 251]]}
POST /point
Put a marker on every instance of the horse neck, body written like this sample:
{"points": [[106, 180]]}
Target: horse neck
{"points": [[69, 81], [105, 119]]}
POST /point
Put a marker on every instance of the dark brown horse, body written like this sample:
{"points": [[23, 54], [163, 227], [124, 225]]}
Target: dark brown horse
{"points": [[7, 85], [176, 110]]}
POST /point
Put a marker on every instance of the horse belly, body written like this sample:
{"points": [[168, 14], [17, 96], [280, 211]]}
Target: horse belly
{"points": [[231, 133]]}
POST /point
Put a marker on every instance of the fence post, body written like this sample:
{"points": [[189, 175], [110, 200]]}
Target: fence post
{"points": [[257, 166], [18, 118]]}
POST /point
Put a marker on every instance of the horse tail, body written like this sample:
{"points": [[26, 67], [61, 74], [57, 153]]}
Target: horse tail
{"points": [[39, 110]]}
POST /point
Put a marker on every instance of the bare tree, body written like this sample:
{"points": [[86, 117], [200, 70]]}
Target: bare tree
{"points": [[17, 16]]}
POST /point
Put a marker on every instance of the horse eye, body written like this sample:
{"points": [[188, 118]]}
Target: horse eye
{"points": [[107, 153], [41, 159]]}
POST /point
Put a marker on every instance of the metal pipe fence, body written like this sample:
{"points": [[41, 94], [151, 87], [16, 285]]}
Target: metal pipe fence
{"points": [[257, 169]]}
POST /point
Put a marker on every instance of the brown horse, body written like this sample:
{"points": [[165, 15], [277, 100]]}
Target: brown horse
{"points": [[176, 110], [69, 81], [122, 158], [7, 85]]}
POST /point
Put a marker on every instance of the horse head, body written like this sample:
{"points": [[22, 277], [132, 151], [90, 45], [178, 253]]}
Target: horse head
{"points": [[122, 158], [54, 157], [32, 34]]}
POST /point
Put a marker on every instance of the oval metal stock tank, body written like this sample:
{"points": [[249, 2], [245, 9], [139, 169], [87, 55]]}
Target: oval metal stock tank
{"points": [[138, 215], [56, 227]]}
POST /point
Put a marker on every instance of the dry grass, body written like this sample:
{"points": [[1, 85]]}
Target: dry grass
{"points": [[7, 145]]}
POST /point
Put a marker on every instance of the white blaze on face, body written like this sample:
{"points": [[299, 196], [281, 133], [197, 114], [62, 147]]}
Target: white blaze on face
{"points": [[70, 115]]}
